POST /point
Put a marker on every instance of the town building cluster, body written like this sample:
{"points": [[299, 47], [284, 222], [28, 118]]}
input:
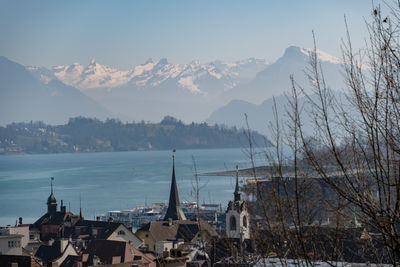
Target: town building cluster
{"points": [[245, 238]]}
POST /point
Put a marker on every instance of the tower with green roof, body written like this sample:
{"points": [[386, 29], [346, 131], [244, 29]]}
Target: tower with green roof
{"points": [[51, 200]]}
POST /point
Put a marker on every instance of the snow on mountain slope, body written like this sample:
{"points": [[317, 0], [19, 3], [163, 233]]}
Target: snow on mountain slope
{"points": [[152, 74], [243, 70], [191, 91], [322, 56], [274, 80], [93, 76]]}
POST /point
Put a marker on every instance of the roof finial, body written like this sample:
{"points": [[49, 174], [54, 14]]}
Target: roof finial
{"points": [[51, 182], [173, 160]]}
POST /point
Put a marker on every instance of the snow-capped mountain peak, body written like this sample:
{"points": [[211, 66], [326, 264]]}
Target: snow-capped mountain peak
{"points": [[321, 55], [150, 74], [295, 51]]}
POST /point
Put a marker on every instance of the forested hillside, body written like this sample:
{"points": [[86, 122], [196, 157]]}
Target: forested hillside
{"points": [[82, 134]]}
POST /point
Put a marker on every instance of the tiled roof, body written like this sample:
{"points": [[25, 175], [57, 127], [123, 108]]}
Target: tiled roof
{"points": [[106, 250], [184, 229], [70, 261], [49, 253], [57, 218], [104, 229]]}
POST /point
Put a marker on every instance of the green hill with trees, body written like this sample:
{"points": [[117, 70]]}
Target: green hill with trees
{"points": [[82, 134]]}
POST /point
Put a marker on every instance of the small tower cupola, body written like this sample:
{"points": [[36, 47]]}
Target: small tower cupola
{"points": [[51, 200], [174, 211]]}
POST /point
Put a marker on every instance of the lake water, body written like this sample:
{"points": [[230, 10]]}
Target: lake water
{"points": [[110, 181]]}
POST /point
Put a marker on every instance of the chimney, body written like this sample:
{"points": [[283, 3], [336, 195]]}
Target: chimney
{"points": [[62, 207], [20, 220], [98, 218]]}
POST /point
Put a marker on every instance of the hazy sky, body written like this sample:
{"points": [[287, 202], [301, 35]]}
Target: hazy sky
{"points": [[125, 33]]}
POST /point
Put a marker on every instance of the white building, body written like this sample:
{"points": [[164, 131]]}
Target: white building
{"points": [[17, 230], [11, 244]]}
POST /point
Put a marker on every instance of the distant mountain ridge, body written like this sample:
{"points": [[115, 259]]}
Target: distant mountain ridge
{"points": [[274, 79], [261, 116], [256, 97], [152, 74], [24, 98], [191, 92]]}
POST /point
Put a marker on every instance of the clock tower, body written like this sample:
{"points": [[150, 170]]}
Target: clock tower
{"points": [[237, 215]]}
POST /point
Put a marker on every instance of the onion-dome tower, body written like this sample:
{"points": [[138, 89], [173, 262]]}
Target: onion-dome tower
{"points": [[51, 200]]}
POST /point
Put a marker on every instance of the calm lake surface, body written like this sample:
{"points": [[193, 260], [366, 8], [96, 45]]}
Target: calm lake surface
{"points": [[110, 180]]}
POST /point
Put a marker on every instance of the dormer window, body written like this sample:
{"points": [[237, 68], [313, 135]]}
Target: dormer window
{"points": [[121, 232]]}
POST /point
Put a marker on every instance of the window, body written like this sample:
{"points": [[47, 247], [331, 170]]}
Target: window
{"points": [[244, 221], [9, 244], [233, 223], [31, 237], [121, 232]]}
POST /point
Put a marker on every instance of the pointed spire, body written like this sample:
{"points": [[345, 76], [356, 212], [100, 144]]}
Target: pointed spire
{"points": [[174, 211], [237, 189]]}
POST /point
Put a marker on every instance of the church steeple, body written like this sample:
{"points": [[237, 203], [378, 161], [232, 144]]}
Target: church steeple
{"points": [[237, 215], [51, 201], [237, 189], [174, 211]]}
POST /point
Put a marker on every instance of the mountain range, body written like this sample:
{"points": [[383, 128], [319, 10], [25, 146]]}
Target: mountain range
{"points": [[149, 91], [25, 98]]}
